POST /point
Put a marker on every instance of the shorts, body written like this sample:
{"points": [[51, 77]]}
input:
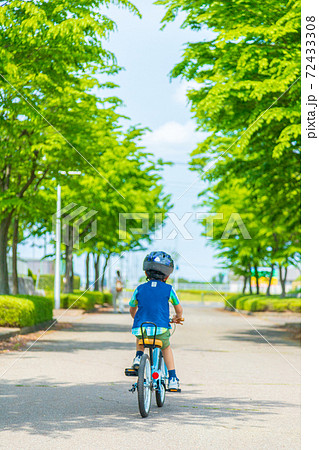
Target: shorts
{"points": [[164, 337]]}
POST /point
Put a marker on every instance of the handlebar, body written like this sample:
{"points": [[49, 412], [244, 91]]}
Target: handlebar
{"points": [[179, 321]]}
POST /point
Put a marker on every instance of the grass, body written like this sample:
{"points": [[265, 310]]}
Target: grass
{"points": [[198, 296]]}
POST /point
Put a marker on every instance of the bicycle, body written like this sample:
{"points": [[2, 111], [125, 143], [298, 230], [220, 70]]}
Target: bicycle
{"points": [[152, 374]]}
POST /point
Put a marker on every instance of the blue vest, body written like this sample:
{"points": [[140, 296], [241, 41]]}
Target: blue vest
{"points": [[152, 298]]}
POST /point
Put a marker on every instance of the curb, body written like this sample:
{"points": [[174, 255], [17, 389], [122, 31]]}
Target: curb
{"points": [[27, 330]]}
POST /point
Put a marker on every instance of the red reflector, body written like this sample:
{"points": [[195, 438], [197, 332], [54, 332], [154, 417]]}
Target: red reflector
{"points": [[155, 375]]}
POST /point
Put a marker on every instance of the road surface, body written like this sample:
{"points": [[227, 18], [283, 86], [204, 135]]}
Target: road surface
{"points": [[69, 391]]}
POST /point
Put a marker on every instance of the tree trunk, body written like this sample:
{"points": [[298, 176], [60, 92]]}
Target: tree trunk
{"points": [[68, 288], [283, 279], [270, 279], [97, 272], [103, 274], [4, 279], [15, 239], [257, 279], [87, 269], [245, 284]]}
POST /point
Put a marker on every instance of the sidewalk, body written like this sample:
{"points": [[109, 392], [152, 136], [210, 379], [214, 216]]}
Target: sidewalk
{"points": [[69, 391]]}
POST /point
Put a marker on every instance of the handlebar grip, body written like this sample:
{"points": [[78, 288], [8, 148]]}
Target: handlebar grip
{"points": [[178, 320]]}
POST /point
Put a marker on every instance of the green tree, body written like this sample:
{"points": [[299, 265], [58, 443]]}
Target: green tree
{"points": [[136, 175], [248, 101], [51, 56]]}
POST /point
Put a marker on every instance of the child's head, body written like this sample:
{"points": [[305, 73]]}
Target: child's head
{"points": [[158, 266]]}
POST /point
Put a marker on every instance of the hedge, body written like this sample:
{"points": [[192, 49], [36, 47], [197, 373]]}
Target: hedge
{"points": [[295, 305], [46, 282], [98, 297], [263, 303], [108, 298], [24, 310], [76, 301], [87, 301]]}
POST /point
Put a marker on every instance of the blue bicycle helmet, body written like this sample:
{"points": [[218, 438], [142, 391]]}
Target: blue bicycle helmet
{"points": [[159, 262]]}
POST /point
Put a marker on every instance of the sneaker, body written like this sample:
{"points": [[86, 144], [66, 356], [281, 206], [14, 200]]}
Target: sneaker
{"points": [[136, 362], [173, 383]]}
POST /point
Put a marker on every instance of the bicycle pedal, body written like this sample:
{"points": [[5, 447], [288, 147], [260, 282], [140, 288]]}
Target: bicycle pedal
{"points": [[174, 390], [134, 388], [131, 372]]}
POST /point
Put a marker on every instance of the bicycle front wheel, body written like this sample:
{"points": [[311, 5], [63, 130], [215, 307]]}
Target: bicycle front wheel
{"points": [[144, 386]]}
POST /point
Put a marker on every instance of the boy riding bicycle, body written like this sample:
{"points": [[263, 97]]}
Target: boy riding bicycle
{"points": [[150, 303]]}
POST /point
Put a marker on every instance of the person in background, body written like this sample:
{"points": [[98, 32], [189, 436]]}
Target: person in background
{"points": [[117, 292]]}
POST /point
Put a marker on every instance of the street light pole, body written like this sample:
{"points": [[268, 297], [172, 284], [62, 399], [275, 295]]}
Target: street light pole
{"points": [[57, 279]]}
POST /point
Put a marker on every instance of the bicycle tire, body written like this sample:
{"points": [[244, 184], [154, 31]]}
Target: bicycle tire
{"points": [[160, 394], [144, 393]]}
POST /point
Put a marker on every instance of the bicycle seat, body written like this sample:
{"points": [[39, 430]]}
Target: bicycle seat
{"points": [[149, 342]]}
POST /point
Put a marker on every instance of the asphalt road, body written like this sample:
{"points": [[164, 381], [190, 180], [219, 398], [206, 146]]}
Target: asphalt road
{"points": [[70, 392]]}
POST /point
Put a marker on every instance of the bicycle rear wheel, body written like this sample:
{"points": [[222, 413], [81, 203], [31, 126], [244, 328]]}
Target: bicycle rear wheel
{"points": [[160, 391], [144, 386]]}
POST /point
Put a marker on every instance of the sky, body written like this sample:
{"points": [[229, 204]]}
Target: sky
{"points": [[153, 100]]}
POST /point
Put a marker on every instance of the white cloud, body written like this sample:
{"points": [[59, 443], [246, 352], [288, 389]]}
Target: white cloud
{"points": [[173, 141], [180, 95], [171, 133]]}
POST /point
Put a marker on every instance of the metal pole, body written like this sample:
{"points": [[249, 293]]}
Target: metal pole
{"points": [[57, 279]]}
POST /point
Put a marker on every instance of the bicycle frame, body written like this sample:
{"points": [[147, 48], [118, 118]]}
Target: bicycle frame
{"points": [[152, 373], [154, 354], [162, 374], [150, 346], [159, 376]]}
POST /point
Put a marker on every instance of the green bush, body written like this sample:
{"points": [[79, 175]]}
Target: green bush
{"points": [[24, 310], [231, 301], [278, 305], [295, 305], [94, 296], [76, 301], [240, 302], [34, 277], [263, 303], [76, 282], [260, 305], [98, 297], [108, 298], [46, 282]]}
